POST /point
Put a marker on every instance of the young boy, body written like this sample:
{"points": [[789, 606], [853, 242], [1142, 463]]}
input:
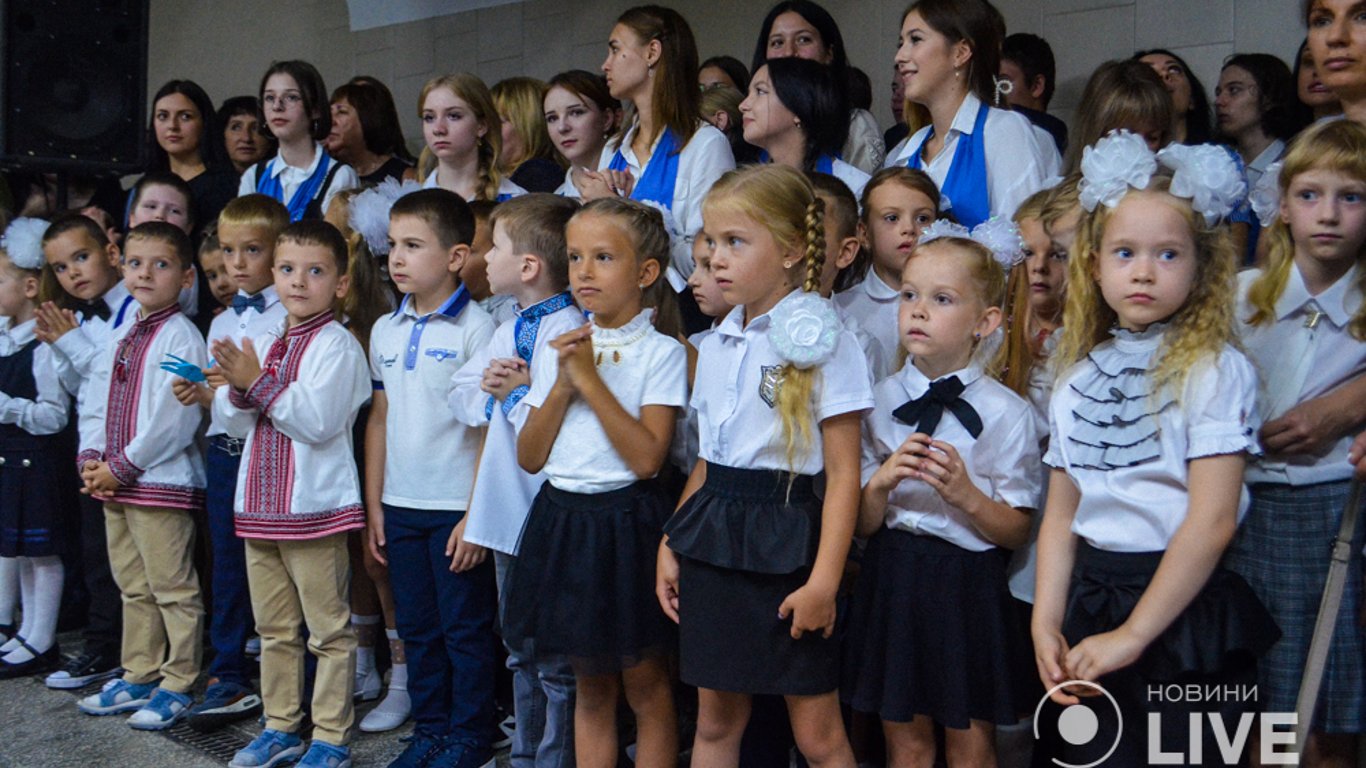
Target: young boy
{"points": [[419, 466], [529, 263], [221, 284], [247, 229], [139, 456], [293, 394], [841, 249], [82, 274], [474, 275]]}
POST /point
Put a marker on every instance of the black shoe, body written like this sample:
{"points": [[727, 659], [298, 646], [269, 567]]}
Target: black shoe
{"points": [[41, 662], [83, 670]]}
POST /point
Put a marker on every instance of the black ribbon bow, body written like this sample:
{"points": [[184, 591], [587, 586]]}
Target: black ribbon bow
{"points": [[924, 412], [242, 303], [91, 309]]}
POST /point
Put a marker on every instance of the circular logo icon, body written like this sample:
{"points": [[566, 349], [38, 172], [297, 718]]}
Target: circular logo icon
{"points": [[1078, 725]]}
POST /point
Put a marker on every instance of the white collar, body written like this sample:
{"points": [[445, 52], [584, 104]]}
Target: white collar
{"points": [[116, 297], [965, 119], [733, 323], [22, 333], [1334, 301], [1271, 154], [269, 294], [917, 383], [876, 289], [278, 165]]}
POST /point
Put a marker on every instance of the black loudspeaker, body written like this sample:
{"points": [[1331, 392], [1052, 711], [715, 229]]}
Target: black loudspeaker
{"points": [[74, 85]]}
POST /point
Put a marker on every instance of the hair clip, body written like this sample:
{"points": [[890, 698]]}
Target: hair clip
{"points": [[998, 235], [1208, 176], [183, 368], [1004, 87], [23, 241], [369, 212], [1112, 166]]}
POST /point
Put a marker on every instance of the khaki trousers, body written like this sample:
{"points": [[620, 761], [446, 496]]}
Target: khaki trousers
{"points": [[296, 584], [151, 557]]}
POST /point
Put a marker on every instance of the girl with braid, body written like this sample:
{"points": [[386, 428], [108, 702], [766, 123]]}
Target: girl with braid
{"points": [[464, 139], [753, 557]]}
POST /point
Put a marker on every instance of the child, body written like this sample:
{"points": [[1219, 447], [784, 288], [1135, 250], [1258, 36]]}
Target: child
{"points": [[161, 197], [1302, 324], [603, 413], [81, 274], [897, 204], [753, 558], [247, 229], [33, 410], [139, 456], [474, 275], [419, 468], [1149, 434], [301, 176], [948, 457], [464, 139], [528, 262], [841, 253], [298, 494], [221, 284]]}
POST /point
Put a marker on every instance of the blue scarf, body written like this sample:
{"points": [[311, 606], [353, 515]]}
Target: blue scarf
{"points": [[965, 185], [270, 185], [524, 332], [660, 176]]}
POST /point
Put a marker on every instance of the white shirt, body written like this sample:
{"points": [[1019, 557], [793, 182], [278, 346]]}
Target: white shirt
{"points": [[505, 185], [684, 448], [872, 306], [429, 455], [737, 425], [1003, 461], [1296, 364], [700, 163], [1261, 162], [1018, 161], [159, 464], [248, 325], [503, 491], [305, 486], [1024, 561], [1138, 508], [75, 352], [501, 308], [854, 178], [46, 414], [292, 178], [641, 367]]}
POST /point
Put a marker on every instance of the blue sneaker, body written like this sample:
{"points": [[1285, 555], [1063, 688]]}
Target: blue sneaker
{"points": [[117, 697], [164, 710], [458, 753], [224, 702], [269, 749], [421, 747], [323, 755]]}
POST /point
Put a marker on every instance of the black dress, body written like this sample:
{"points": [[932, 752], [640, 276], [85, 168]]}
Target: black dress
{"points": [[31, 472]]}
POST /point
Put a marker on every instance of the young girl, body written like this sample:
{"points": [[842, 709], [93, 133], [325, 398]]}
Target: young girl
{"points": [[1150, 430], [464, 139], [602, 417], [1302, 323], [580, 115], [528, 157], [753, 557], [301, 175], [897, 205], [941, 506], [33, 409], [1125, 95]]}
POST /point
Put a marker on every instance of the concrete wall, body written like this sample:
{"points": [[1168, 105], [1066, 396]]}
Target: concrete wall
{"points": [[226, 46]]}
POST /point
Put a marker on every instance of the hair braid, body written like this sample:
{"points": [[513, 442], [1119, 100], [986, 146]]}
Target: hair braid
{"points": [[815, 243]]}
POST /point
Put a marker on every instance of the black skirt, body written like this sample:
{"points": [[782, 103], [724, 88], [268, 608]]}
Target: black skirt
{"points": [[583, 584], [933, 631], [31, 497], [745, 541]]}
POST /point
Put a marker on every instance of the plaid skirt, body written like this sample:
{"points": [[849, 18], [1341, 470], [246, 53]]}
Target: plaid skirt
{"points": [[1283, 550]]}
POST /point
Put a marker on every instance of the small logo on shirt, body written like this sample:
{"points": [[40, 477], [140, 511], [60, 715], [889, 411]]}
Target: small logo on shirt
{"points": [[770, 384], [442, 355], [388, 362]]}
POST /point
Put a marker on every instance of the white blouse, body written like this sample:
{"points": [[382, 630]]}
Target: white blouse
{"points": [[872, 306], [291, 178], [46, 413]]}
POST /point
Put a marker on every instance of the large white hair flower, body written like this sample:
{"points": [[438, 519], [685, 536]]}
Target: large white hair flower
{"points": [[996, 234], [23, 241], [804, 329], [1208, 176], [1266, 195], [369, 213], [1115, 164]]}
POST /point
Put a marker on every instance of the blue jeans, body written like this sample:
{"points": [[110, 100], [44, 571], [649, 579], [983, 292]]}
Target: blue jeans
{"points": [[232, 621], [543, 700], [446, 622]]}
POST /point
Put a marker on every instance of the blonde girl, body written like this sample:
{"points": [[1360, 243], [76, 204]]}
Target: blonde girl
{"points": [[464, 139], [528, 157], [753, 557], [1150, 434], [1302, 322], [602, 417]]}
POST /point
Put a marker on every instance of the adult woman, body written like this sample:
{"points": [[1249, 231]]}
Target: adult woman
{"points": [[1338, 42], [1255, 108], [723, 72], [986, 161], [242, 127], [528, 157], [1189, 102], [365, 134], [181, 116], [1316, 100], [803, 29], [663, 153], [793, 114], [580, 115]]}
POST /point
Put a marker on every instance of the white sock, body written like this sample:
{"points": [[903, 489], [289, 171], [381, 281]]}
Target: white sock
{"points": [[398, 677], [9, 588], [365, 654], [26, 598], [41, 578]]}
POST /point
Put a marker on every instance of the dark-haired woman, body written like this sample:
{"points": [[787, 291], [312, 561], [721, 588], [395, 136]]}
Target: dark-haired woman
{"points": [[181, 143], [1256, 109], [1190, 105], [365, 134], [244, 133]]}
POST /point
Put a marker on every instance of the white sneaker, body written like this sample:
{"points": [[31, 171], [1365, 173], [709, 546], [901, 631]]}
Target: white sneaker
{"points": [[390, 714]]}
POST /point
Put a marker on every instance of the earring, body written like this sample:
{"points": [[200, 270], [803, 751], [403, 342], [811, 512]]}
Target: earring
{"points": [[787, 265], [977, 336]]}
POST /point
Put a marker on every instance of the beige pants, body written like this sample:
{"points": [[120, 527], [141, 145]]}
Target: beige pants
{"points": [[293, 584], [151, 552]]}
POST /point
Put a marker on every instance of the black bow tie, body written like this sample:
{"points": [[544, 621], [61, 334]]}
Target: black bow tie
{"points": [[90, 309], [924, 412]]}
